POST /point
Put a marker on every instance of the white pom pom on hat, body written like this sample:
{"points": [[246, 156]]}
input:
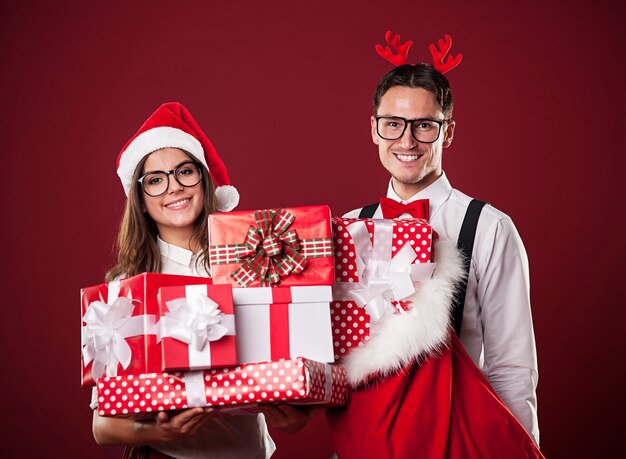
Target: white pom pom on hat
{"points": [[171, 125]]}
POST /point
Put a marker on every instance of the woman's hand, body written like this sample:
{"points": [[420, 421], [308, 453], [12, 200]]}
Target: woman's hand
{"points": [[165, 427], [184, 423], [289, 418]]}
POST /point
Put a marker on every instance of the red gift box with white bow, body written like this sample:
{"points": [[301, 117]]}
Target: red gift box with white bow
{"points": [[298, 381], [118, 327], [271, 247], [196, 329], [283, 322], [378, 265]]}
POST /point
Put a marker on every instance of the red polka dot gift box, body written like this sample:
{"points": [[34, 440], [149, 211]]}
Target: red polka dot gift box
{"points": [[378, 264], [272, 247], [196, 328], [297, 380], [118, 325], [283, 322]]}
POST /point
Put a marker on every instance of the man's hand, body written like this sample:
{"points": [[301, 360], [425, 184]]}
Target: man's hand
{"points": [[289, 418]]}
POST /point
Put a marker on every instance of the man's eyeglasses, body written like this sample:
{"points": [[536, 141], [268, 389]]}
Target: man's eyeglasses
{"points": [[155, 183], [424, 130]]}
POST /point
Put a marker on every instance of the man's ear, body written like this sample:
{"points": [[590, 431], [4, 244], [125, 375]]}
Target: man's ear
{"points": [[375, 137], [448, 133]]}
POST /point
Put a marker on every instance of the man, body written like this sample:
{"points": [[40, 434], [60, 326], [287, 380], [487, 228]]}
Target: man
{"points": [[412, 124]]}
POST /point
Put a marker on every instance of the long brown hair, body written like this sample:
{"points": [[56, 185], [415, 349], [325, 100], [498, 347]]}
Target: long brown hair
{"points": [[137, 250]]}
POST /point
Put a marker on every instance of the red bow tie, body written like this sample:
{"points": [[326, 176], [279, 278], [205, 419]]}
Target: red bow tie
{"points": [[393, 209]]}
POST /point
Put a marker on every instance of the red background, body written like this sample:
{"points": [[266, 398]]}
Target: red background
{"points": [[283, 89]]}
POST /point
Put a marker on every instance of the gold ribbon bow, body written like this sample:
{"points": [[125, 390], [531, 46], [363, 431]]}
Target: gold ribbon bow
{"points": [[269, 251]]}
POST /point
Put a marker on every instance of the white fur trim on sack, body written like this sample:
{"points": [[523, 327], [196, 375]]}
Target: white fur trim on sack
{"points": [[399, 339], [152, 140]]}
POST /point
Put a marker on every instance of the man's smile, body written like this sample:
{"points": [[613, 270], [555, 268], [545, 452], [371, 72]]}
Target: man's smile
{"points": [[407, 158]]}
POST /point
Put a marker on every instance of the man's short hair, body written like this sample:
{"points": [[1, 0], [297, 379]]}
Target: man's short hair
{"points": [[417, 76]]}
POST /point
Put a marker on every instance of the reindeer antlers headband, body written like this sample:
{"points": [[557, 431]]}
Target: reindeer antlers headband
{"points": [[402, 52]]}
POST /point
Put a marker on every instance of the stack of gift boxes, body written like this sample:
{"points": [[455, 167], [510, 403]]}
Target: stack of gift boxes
{"points": [[284, 302]]}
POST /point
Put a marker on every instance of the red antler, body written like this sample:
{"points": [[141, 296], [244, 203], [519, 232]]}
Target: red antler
{"points": [[439, 57], [402, 49]]}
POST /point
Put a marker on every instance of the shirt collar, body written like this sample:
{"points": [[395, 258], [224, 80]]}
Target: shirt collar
{"points": [[178, 254], [437, 193]]}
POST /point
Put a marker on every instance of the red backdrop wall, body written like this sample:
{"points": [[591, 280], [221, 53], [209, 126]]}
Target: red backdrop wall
{"points": [[283, 89]]}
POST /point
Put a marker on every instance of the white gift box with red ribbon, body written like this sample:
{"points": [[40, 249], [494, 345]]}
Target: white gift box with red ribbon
{"points": [[283, 322]]}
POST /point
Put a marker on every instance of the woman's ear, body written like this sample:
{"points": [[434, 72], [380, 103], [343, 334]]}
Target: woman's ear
{"points": [[140, 199], [142, 205]]}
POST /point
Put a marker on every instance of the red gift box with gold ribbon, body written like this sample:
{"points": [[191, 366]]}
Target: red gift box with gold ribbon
{"points": [[271, 247], [118, 327], [379, 263], [297, 381]]}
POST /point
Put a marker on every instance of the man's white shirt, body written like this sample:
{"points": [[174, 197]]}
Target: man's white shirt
{"points": [[497, 329]]}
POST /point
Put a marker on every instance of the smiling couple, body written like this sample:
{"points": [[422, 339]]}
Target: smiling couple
{"points": [[472, 379]]}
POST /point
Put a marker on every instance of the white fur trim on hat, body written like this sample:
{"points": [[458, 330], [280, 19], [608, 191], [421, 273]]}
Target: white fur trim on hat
{"points": [[399, 339], [152, 140], [227, 198]]}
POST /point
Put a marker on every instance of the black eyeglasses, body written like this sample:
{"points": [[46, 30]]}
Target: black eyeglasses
{"points": [[155, 183], [424, 130]]}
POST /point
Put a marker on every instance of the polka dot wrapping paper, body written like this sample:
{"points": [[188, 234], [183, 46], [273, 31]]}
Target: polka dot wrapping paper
{"points": [[351, 323], [299, 380], [294, 242], [118, 325]]}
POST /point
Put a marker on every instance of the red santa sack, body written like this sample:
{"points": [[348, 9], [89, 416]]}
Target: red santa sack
{"points": [[417, 392]]}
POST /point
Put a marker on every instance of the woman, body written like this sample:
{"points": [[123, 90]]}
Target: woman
{"points": [[174, 179]]}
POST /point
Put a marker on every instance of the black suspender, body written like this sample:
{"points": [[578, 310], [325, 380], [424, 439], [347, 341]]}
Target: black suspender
{"points": [[465, 244], [368, 211]]}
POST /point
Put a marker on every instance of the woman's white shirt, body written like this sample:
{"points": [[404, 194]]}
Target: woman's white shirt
{"points": [[225, 437], [176, 260]]}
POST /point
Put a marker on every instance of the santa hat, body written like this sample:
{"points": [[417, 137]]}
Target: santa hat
{"points": [[171, 125]]}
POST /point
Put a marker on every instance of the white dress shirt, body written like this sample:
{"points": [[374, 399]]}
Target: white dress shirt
{"points": [[497, 329], [225, 437]]}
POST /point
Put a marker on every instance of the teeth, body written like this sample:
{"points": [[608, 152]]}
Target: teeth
{"points": [[407, 158], [178, 203]]}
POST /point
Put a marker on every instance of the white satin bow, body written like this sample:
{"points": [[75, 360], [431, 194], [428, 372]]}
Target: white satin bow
{"points": [[194, 321], [382, 278], [104, 335]]}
